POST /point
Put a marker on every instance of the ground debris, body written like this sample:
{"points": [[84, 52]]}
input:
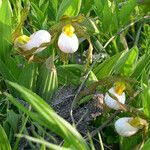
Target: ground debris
{"points": [[84, 114]]}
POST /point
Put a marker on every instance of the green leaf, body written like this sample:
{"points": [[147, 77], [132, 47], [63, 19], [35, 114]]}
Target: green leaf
{"points": [[128, 143], [86, 6], [5, 29], [128, 67], [99, 6], [145, 95], [4, 143], [107, 17], [97, 45], [5, 12], [28, 76], [12, 65], [47, 82], [104, 69], [90, 26], [125, 63], [13, 120], [144, 4], [146, 145], [142, 63], [5, 72], [52, 9], [71, 74], [50, 118], [39, 13], [103, 8], [126, 10], [69, 8]]}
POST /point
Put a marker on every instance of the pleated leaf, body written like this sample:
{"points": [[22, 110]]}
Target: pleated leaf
{"points": [[5, 29], [47, 81], [28, 76]]}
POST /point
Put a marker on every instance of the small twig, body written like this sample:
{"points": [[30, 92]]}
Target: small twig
{"points": [[95, 61], [78, 91]]}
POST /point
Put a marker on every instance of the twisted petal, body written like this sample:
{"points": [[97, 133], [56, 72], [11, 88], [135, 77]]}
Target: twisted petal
{"points": [[111, 103], [68, 44], [123, 127]]}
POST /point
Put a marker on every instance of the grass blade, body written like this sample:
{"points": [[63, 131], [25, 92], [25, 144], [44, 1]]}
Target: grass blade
{"points": [[42, 141], [47, 82], [4, 143]]}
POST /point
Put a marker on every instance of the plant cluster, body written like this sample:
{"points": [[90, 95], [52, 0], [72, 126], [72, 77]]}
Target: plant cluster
{"points": [[95, 46]]}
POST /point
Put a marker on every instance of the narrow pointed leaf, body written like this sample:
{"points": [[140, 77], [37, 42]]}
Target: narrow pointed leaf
{"points": [[55, 122]]}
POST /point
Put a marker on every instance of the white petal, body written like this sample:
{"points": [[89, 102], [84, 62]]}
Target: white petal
{"points": [[123, 127], [36, 39], [110, 102], [68, 44]]}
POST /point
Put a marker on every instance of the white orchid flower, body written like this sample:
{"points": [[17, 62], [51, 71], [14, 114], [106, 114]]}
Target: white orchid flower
{"points": [[38, 38], [117, 91], [68, 41], [128, 126]]}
